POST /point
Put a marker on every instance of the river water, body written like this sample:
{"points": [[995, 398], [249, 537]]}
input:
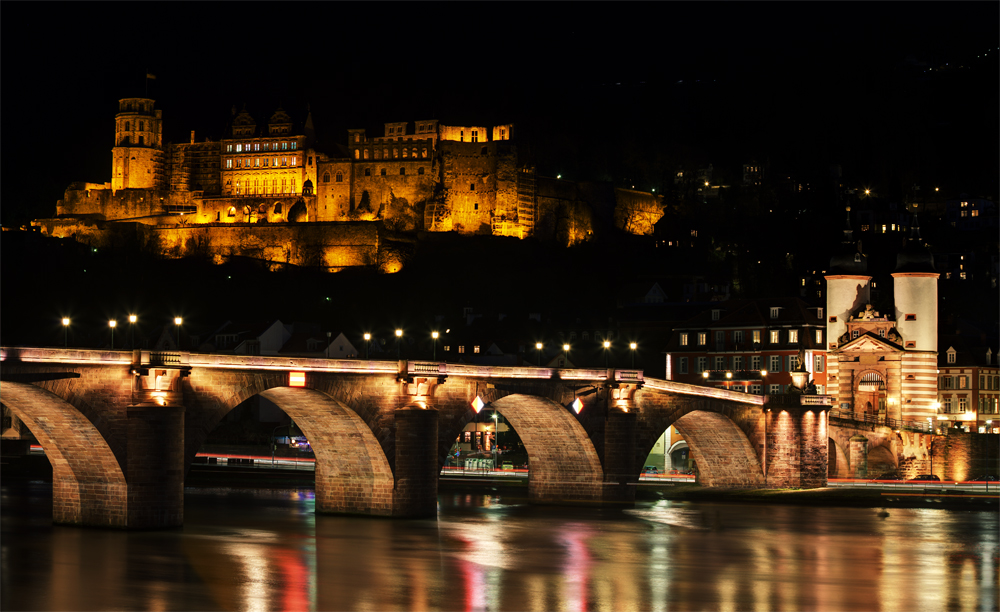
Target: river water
{"points": [[258, 549]]}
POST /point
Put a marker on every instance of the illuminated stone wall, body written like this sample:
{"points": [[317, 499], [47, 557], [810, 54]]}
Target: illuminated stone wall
{"points": [[480, 186], [636, 212], [333, 189], [87, 199]]}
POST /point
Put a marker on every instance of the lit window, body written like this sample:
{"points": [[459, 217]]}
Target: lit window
{"points": [[819, 337], [756, 336], [774, 336], [284, 146], [239, 148], [357, 153], [284, 161], [793, 336], [475, 349], [461, 348], [229, 148], [447, 348], [423, 153], [229, 163], [702, 338], [294, 144], [684, 339]]}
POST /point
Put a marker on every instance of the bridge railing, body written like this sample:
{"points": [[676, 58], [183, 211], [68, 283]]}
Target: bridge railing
{"points": [[671, 386], [874, 419]]}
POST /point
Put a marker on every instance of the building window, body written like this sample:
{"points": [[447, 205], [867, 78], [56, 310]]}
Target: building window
{"points": [[702, 338], [910, 317], [702, 364], [793, 336], [378, 154], [475, 206], [682, 365], [382, 172], [423, 152], [475, 135], [420, 170], [402, 172], [947, 404], [737, 362], [756, 336], [715, 314], [232, 212], [720, 340], [819, 337], [340, 177], [774, 336], [472, 186], [684, 339], [475, 349], [946, 382], [229, 164], [447, 348], [963, 404], [755, 389], [368, 171], [461, 348], [818, 363], [773, 389], [294, 144], [326, 177], [755, 362], [951, 356], [774, 363], [963, 382], [720, 362], [774, 312], [738, 336], [357, 153]]}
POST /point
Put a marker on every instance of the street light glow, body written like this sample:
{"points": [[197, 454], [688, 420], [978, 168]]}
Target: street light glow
{"points": [[112, 323], [565, 347], [399, 333], [607, 344], [368, 336], [65, 321], [704, 374], [435, 335], [132, 318], [178, 320], [538, 346], [633, 345]]}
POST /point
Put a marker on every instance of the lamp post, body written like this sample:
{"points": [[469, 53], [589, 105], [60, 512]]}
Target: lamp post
{"points": [[763, 387], [607, 345], [565, 354], [177, 322], [496, 438], [65, 322], [435, 336], [368, 338], [112, 324], [729, 378], [632, 346], [538, 353], [131, 326], [399, 335]]}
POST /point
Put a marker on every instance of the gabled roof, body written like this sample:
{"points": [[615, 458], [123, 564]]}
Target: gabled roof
{"points": [[869, 343]]}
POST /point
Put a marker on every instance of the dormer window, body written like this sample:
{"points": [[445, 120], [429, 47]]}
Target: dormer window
{"points": [[775, 312], [715, 314], [951, 356]]}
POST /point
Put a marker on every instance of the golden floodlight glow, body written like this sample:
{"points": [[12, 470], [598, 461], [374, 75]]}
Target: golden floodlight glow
{"points": [[477, 404], [296, 379], [577, 405]]}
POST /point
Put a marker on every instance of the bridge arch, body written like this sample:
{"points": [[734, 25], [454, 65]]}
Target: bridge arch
{"points": [[352, 472], [838, 465], [564, 465], [88, 483], [722, 453], [881, 459]]}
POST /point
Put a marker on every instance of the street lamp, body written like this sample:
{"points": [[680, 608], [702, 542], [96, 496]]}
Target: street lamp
{"points": [[131, 325], [496, 438], [607, 345], [65, 323], [399, 335], [565, 354], [632, 346], [177, 322], [368, 338], [435, 336], [112, 324], [538, 353]]}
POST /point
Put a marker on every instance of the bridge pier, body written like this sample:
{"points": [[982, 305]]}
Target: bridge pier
{"points": [[155, 466], [620, 478], [859, 456], [796, 446], [416, 465]]}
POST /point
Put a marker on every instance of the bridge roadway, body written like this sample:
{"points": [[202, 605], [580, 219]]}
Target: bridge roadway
{"points": [[121, 428]]}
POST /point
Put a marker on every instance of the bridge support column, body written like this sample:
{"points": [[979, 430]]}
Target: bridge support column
{"points": [[620, 477], [416, 466], [155, 466], [859, 456], [796, 447]]}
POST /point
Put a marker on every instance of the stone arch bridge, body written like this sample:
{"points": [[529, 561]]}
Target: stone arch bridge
{"points": [[121, 428]]}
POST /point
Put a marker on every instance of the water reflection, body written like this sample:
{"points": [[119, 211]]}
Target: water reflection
{"points": [[265, 550]]}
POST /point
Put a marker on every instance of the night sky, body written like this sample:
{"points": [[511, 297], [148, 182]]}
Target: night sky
{"points": [[616, 92]]}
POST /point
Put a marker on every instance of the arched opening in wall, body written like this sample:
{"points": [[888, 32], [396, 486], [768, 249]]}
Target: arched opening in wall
{"points": [[561, 461], [297, 213], [870, 395], [881, 461], [837, 465], [301, 434]]}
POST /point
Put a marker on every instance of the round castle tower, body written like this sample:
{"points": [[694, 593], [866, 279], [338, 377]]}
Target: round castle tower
{"points": [[847, 285], [915, 287], [137, 157]]}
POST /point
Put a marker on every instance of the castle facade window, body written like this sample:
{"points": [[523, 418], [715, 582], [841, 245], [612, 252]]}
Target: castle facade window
{"points": [[293, 145], [357, 153], [368, 171], [402, 171], [378, 154], [141, 126], [382, 172], [420, 170], [340, 177], [326, 177], [423, 153]]}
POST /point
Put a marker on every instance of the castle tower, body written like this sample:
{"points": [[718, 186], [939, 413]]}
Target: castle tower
{"points": [[847, 286], [915, 287], [137, 157]]}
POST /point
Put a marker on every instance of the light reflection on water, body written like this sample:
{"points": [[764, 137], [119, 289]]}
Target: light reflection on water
{"points": [[266, 550]]}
